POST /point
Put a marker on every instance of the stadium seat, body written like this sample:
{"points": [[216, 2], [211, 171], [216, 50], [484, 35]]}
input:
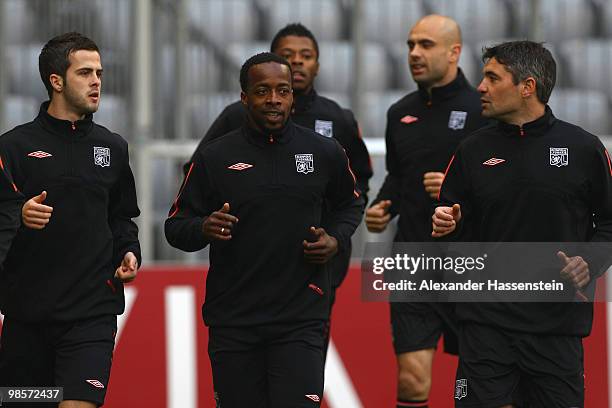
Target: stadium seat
{"points": [[113, 114], [322, 17], [588, 64], [204, 108], [376, 105], [561, 19], [478, 18], [18, 109], [335, 74], [202, 71], [342, 99], [224, 21], [388, 21], [23, 75], [588, 109], [18, 22]]}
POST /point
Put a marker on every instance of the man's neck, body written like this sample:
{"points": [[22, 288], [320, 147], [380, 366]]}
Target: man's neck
{"points": [[59, 110], [450, 76], [526, 115]]}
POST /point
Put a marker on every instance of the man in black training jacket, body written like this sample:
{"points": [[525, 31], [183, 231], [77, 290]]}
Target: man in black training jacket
{"points": [[257, 195], [528, 178], [299, 46], [62, 284], [423, 130]]}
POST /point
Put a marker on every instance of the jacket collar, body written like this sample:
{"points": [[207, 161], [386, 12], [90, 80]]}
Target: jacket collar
{"points": [[535, 128], [447, 91], [259, 138], [64, 128]]}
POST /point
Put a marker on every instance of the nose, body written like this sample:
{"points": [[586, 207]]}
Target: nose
{"points": [[482, 88], [273, 98], [415, 52]]}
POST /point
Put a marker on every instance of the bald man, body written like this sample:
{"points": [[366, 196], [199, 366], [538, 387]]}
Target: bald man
{"points": [[423, 130]]}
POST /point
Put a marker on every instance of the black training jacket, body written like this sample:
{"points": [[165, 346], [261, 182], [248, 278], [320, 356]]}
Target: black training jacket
{"points": [[547, 181], [65, 271], [11, 202], [318, 113], [275, 185], [422, 133]]}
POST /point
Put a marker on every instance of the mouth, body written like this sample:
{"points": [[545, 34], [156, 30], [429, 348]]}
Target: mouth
{"points": [[418, 68], [299, 76], [273, 115], [94, 96]]}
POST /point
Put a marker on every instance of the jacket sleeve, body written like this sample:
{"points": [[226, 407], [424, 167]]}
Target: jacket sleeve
{"points": [[11, 202], [346, 203], [183, 227], [390, 189], [456, 190], [358, 155], [599, 256], [123, 207]]}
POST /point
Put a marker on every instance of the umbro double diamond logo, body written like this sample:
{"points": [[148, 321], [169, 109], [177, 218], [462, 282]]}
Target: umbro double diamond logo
{"points": [[240, 166], [493, 161]]}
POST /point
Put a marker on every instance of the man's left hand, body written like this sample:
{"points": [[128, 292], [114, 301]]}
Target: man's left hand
{"points": [[433, 183], [323, 249], [128, 269], [575, 270]]}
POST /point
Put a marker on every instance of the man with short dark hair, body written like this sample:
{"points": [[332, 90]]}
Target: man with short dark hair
{"points": [[423, 130], [298, 45], [505, 184], [257, 195], [61, 288]]}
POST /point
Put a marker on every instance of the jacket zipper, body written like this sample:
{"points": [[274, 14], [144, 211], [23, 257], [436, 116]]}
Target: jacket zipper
{"points": [[70, 150], [522, 131], [271, 141]]}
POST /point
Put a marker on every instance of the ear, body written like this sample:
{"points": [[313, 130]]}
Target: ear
{"points": [[454, 53], [316, 70], [528, 87], [244, 98], [57, 82]]}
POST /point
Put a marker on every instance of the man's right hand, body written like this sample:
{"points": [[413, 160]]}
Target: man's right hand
{"points": [[218, 225], [445, 220], [377, 217], [35, 214]]}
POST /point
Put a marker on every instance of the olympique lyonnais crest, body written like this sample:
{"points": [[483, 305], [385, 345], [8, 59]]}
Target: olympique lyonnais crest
{"points": [[101, 156], [304, 163], [559, 156], [324, 127], [457, 119], [461, 388]]}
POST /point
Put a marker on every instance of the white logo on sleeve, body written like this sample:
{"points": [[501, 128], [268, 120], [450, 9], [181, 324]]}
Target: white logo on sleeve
{"points": [[101, 156], [304, 163], [559, 156], [324, 127], [457, 119], [95, 383], [460, 388]]}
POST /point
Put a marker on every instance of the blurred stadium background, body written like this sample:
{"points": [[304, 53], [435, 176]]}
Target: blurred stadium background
{"points": [[172, 65]]}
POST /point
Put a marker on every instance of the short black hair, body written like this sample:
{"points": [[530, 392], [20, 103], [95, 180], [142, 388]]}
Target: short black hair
{"points": [[55, 55], [257, 59], [524, 59], [297, 29]]}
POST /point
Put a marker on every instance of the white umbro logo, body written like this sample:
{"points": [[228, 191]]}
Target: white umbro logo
{"points": [[95, 383], [240, 166], [39, 154], [493, 161], [313, 397]]}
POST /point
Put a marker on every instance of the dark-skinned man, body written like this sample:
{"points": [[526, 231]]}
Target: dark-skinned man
{"points": [[423, 130], [256, 195], [299, 46]]}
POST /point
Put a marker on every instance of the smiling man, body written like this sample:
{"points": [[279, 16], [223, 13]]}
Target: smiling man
{"points": [[298, 45], [423, 130], [256, 195], [61, 288]]}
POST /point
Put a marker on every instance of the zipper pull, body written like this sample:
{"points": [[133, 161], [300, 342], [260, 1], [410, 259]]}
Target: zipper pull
{"points": [[72, 125], [522, 131], [271, 139]]}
